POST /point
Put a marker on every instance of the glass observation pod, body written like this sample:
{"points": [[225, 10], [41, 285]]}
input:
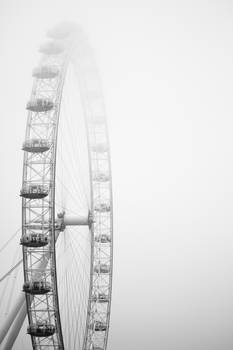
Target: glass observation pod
{"points": [[34, 191], [36, 145], [37, 287], [34, 240], [42, 329], [101, 177], [103, 238], [40, 105], [62, 30], [102, 268], [102, 207], [98, 326], [99, 148], [45, 72], [100, 298], [51, 48]]}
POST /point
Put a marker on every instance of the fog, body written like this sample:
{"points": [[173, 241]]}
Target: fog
{"points": [[166, 69]]}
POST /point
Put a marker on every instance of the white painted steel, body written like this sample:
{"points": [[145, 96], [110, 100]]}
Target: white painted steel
{"points": [[39, 214]]}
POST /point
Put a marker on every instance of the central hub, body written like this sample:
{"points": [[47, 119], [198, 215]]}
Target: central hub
{"points": [[64, 220]]}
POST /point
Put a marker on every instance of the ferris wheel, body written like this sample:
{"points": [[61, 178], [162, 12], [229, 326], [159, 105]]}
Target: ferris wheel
{"points": [[66, 202]]}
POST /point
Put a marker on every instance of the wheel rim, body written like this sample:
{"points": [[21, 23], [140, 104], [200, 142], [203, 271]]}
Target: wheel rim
{"points": [[41, 203]]}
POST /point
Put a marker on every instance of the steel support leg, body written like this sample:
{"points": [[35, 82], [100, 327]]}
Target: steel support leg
{"points": [[14, 331], [11, 317]]}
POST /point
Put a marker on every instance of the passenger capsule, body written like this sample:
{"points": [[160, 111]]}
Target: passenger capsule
{"points": [[42, 329], [99, 148], [103, 238], [101, 177], [100, 298], [99, 326], [37, 287], [102, 207], [45, 72], [51, 48], [34, 240], [34, 191], [36, 145], [102, 268], [40, 105]]}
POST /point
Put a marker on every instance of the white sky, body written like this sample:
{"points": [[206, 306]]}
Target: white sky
{"points": [[167, 75]]}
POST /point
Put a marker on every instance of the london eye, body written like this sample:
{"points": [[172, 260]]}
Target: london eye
{"points": [[66, 195]]}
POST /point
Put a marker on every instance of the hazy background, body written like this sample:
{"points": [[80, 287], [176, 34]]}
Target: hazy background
{"points": [[167, 75]]}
